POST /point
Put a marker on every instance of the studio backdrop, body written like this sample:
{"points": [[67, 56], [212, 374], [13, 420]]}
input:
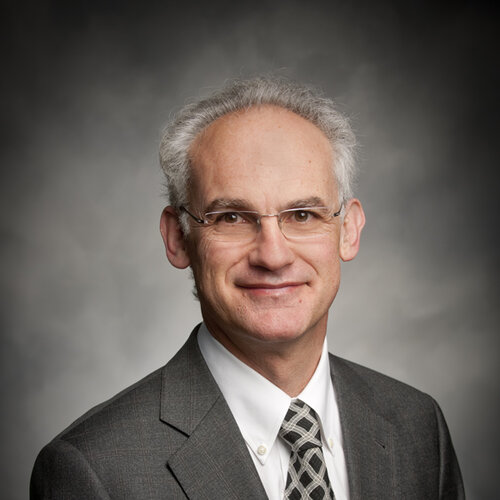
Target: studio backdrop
{"points": [[89, 301]]}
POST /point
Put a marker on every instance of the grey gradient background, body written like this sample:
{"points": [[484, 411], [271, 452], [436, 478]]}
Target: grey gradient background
{"points": [[89, 302]]}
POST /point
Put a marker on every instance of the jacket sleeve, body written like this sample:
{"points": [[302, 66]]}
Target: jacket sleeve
{"points": [[62, 472], [450, 479]]}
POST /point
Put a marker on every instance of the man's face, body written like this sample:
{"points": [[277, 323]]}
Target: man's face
{"points": [[271, 289]]}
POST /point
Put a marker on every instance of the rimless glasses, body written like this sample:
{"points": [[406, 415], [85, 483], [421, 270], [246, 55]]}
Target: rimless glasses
{"points": [[244, 225]]}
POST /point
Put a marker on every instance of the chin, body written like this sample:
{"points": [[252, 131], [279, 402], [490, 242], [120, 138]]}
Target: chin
{"points": [[273, 330]]}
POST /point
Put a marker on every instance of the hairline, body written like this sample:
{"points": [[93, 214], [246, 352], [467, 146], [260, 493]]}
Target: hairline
{"points": [[238, 97]]}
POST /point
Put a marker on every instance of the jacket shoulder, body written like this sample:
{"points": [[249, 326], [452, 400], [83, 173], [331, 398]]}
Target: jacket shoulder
{"points": [[424, 461], [391, 397], [139, 398], [120, 448]]}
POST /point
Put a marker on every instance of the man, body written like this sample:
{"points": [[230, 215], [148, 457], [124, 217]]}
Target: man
{"points": [[259, 178]]}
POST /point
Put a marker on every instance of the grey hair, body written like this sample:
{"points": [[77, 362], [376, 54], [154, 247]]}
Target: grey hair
{"points": [[243, 94]]}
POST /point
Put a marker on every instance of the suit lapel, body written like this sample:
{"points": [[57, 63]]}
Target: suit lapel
{"points": [[367, 435], [213, 462]]}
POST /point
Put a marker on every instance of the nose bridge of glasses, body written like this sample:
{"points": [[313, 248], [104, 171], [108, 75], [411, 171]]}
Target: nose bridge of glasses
{"points": [[278, 216], [279, 220], [270, 215]]}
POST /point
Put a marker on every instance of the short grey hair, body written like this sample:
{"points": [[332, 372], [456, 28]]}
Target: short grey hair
{"points": [[306, 102]]}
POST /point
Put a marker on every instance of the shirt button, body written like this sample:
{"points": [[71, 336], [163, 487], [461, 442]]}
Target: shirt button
{"points": [[261, 450], [330, 442]]}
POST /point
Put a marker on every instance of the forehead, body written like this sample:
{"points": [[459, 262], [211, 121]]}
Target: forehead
{"points": [[266, 155]]}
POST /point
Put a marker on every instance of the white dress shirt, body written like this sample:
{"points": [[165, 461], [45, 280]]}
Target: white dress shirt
{"points": [[259, 408]]}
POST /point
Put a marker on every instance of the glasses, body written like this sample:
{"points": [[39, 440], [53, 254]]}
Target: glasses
{"points": [[244, 225]]}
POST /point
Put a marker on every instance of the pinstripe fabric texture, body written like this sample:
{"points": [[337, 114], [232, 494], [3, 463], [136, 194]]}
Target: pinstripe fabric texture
{"points": [[307, 474]]}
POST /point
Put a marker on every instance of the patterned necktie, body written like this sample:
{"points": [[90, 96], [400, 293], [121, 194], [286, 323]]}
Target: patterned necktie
{"points": [[307, 474]]}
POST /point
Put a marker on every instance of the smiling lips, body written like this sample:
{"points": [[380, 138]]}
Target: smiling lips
{"points": [[269, 288]]}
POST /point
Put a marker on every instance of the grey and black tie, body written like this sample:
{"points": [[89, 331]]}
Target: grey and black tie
{"points": [[307, 474]]}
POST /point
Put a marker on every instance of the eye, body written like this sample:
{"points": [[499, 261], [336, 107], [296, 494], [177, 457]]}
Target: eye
{"points": [[230, 218], [302, 215]]}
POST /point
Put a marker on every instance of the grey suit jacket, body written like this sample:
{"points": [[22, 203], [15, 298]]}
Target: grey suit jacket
{"points": [[172, 435]]}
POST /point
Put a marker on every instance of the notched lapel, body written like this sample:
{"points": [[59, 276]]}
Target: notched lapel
{"points": [[213, 461], [367, 438]]}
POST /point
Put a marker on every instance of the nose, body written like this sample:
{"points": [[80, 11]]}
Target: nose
{"points": [[271, 250]]}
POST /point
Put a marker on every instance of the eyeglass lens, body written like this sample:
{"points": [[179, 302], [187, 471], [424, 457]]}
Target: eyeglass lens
{"points": [[294, 223]]}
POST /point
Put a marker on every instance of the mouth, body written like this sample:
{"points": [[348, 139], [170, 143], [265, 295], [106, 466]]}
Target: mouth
{"points": [[270, 289]]}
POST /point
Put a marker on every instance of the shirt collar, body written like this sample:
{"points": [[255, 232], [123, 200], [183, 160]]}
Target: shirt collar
{"points": [[259, 406]]}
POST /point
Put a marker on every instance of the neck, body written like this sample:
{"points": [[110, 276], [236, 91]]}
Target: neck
{"points": [[287, 364]]}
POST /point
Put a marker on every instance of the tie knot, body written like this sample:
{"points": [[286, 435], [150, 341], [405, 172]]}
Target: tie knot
{"points": [[300, 428]]}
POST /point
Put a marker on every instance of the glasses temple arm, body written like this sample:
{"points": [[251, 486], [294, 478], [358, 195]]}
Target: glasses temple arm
{"points": [[182, 208], [336, 214]]}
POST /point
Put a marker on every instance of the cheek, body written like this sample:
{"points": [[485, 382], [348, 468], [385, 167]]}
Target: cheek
{"points": [[322, 256], [212, 264]]}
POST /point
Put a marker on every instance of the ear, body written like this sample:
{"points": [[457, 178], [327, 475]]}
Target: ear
{"points": [[173, 238], [350, 233]]}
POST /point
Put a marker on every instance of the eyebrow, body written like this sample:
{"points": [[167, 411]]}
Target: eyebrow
{"points": [[242, 204], [220, 203], [312, 201]]}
